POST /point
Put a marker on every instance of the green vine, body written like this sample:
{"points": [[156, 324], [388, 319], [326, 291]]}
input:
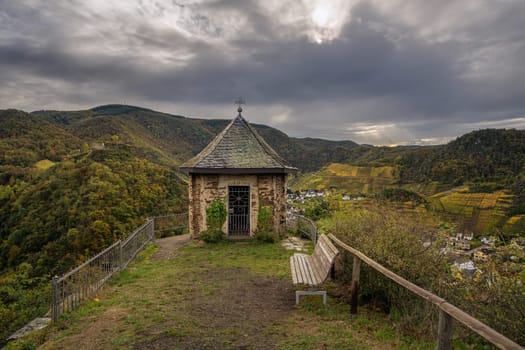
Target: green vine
{"points": [[265, 232], [215, 218]]}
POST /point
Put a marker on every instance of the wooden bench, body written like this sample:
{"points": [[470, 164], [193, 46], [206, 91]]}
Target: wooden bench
{"points": [[313, 270]]}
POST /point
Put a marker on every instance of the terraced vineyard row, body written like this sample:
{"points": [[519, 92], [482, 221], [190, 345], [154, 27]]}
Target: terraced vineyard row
{"points": [[348, 178], [483, 211]]}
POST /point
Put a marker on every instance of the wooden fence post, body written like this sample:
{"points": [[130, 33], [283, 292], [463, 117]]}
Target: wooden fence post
{"points": [[55, 312], [444, 331], [356, 271]]}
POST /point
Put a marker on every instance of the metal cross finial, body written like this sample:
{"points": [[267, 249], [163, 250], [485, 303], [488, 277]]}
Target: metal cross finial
{"points": [[239, 103]]}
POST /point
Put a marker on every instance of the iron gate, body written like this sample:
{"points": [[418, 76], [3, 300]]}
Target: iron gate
{"points": [[239, 210]]}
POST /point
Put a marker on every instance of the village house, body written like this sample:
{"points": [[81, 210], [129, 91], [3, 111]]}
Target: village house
{"points": [[461, 240], [483, 254], [462, 244], [242, 170]]}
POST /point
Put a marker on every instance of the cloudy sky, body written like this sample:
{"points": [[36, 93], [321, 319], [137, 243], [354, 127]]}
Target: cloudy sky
{"points": [[372, 71]]}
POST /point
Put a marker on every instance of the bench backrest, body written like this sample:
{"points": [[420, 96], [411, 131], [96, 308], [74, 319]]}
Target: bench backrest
{"points": [[324, 256]]}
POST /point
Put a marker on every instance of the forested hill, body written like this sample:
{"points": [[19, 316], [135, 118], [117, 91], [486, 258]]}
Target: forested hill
{"points": [[483, 155], [487, 160], [174, 138]]}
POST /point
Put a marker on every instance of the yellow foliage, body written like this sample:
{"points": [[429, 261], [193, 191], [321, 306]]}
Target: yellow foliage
{"points": [[514, 219], [339, 169], [44, 164]]}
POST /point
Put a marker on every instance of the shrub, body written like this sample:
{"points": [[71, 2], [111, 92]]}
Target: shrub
{"points": [[266, 236], [395, 241], [317, 208], [210, 236], [265, 232], [216, 215], [215, 218]]}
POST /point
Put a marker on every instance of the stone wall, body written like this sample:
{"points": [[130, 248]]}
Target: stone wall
{"points": [[265, 189]]}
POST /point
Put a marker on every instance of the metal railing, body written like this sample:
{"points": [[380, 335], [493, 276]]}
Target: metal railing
{"points": [[81, 283], [302, 225], [173, 224], [136, 242]]}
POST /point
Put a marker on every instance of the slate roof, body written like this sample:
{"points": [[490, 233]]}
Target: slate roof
{"points": [[238, 149]]}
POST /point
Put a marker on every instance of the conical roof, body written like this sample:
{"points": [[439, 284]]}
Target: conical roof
{"points": [[238, 149]]}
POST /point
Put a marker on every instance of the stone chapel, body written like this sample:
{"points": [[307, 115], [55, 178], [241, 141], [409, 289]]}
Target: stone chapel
{"points": [[243, 171]]}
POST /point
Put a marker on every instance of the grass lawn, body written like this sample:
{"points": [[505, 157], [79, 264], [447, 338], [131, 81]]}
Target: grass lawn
{"points": [[220, 296]]}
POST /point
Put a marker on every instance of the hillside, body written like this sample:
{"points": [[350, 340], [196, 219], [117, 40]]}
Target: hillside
{"points": [[477, 179], [175, 138], [348, 179], [73, 181], [490, 157]]}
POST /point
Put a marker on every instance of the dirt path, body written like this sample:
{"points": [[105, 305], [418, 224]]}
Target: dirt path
{"points": [[241, 311], [168, 246], [240, 314]]}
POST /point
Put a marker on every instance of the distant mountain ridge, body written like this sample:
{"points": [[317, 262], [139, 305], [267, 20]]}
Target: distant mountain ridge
{"points": [[177, 138], [180, 138]]}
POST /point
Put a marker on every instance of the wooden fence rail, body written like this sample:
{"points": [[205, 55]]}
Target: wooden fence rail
{"points": [[81, 283], [302, 225], [447, 311]]}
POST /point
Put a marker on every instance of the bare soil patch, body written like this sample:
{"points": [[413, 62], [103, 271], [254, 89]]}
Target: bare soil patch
{"points": [[168, 246], [245, 311]]}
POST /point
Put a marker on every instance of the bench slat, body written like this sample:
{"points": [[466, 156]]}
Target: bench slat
{"points": [[297, 269], [306, 270], [293, 268], [326, 250], [317, 271], [325, 261], [320, 265], [301, 268], [301, 277], [333, 250]]}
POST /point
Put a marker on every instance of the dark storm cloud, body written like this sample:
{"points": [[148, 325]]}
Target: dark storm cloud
{"points": [[380, 74]]}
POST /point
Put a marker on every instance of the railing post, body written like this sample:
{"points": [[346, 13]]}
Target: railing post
{"points": [[120, 258], [444, 331], [55, 312], [151, 229], [356, 271]]}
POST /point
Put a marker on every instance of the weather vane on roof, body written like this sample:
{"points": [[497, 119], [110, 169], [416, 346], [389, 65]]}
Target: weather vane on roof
{"points": [[239, 103]]}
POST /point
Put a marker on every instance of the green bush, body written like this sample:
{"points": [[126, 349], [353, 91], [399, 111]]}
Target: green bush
{"points": [[394, 240], [317, 208], [216, 215], [215, 218], [265, 231], [210, 236]]}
